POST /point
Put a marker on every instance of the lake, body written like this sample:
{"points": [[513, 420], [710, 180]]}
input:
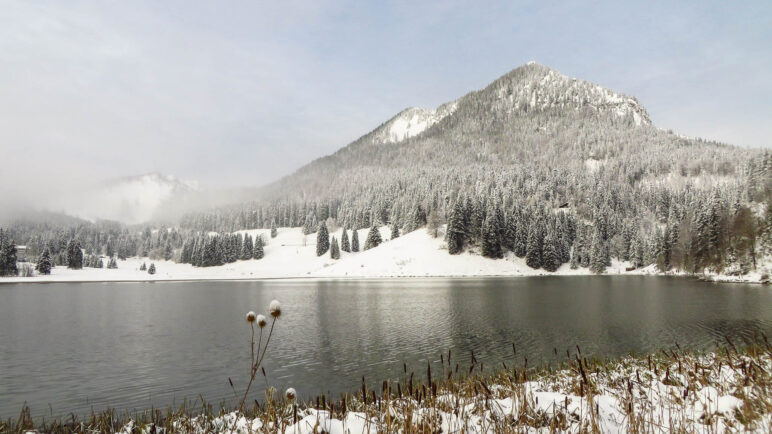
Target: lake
{"points": [[78, 346]]}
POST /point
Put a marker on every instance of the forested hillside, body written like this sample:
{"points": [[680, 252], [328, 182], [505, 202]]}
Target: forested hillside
{"points": [[550, 168]]}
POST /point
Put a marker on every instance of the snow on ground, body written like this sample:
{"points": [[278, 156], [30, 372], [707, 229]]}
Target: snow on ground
{"points": [[293, 255], [676, 393]]}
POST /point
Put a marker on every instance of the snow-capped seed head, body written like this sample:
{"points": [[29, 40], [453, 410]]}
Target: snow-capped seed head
{"points": [[261, 321], [250, 316], [290, 394], [275, 309]]}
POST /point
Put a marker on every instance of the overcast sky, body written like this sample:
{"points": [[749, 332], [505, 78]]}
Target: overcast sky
{"points": [[240, 93]]}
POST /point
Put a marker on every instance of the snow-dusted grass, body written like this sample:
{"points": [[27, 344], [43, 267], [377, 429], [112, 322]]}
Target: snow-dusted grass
{"points": [[723, 391], [293, 255]]}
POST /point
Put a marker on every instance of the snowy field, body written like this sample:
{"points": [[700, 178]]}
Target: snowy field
{"points": [[293, 255]]}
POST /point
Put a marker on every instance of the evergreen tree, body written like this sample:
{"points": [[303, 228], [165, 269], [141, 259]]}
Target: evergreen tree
{"points": [[74, 255], [354, 241], [550, 257], [248, 248], [533, 252], [7, 256], [394, 230], [334, 249], [344, 245], [491, 246], [259, 243], [322, 240], [274, 231], [143, 267], [151, 269], [598, 259], [44, 262], [456, 234], [112, 264], [373, 238]]}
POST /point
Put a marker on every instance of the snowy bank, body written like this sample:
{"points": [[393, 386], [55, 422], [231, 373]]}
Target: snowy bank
{"points": [[720, 392], [293, 255]]}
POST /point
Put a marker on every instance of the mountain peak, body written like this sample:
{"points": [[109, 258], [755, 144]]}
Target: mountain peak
{"points": [[536, 87]]}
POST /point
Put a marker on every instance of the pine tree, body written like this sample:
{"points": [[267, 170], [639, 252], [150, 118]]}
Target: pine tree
{"points": [[334, 249], [322, 240], [143, 267], [344, 244], [7, 256], [44, 262], [259, 243], [533, 251], [274, 231], [112, 264], [248, 248], [373, 238], [151, 269], [74, 255], [354, 241], [550, 258], [491, 246], [394, 230], [456, 234], [598, 259]]}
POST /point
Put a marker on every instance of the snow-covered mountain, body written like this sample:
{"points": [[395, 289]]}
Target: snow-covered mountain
{"points": [[532, 115], [130, 200]]}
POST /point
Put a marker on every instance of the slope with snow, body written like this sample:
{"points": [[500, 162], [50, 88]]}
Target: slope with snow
{"points": [[293, 255], [411, 122]]}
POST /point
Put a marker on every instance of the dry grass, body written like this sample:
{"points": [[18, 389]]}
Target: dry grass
{"points": [[671, 391]]}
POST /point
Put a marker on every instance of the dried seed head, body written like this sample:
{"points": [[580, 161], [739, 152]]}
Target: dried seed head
{"points": [[251, 316], [261, 321], [275, 309], [290, 394]]}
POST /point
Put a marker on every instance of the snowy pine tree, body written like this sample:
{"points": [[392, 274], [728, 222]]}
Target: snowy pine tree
{"points": [[550, 256], [533, 251], [354, 241], [74, 255], [344, 244], [322, 240], [394, 230], [334, 249], [373, 238], [259, 244], [43, 265], [248, 248]]}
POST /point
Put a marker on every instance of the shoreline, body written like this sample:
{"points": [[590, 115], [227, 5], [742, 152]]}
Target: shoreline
{"points": [[726, 389], [702, 277], [292, 256]]}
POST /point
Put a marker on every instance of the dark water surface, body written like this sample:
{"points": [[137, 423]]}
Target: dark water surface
{"points": [[132, 345]]}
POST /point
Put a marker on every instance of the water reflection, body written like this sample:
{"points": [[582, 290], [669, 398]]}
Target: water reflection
{"points": [[134, 345]]}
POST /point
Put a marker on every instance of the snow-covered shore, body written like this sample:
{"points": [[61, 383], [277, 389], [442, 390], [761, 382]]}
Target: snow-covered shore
{"points": [[726, 391], [292, 255]]}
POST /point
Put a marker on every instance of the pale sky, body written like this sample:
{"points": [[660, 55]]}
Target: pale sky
{"points": [[233, 93]]}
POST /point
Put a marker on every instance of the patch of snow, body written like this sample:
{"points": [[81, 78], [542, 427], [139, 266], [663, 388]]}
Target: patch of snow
{"points": [[412, 122]]}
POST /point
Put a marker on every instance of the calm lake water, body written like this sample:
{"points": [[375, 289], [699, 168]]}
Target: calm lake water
{"points": [[132, 345]]}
